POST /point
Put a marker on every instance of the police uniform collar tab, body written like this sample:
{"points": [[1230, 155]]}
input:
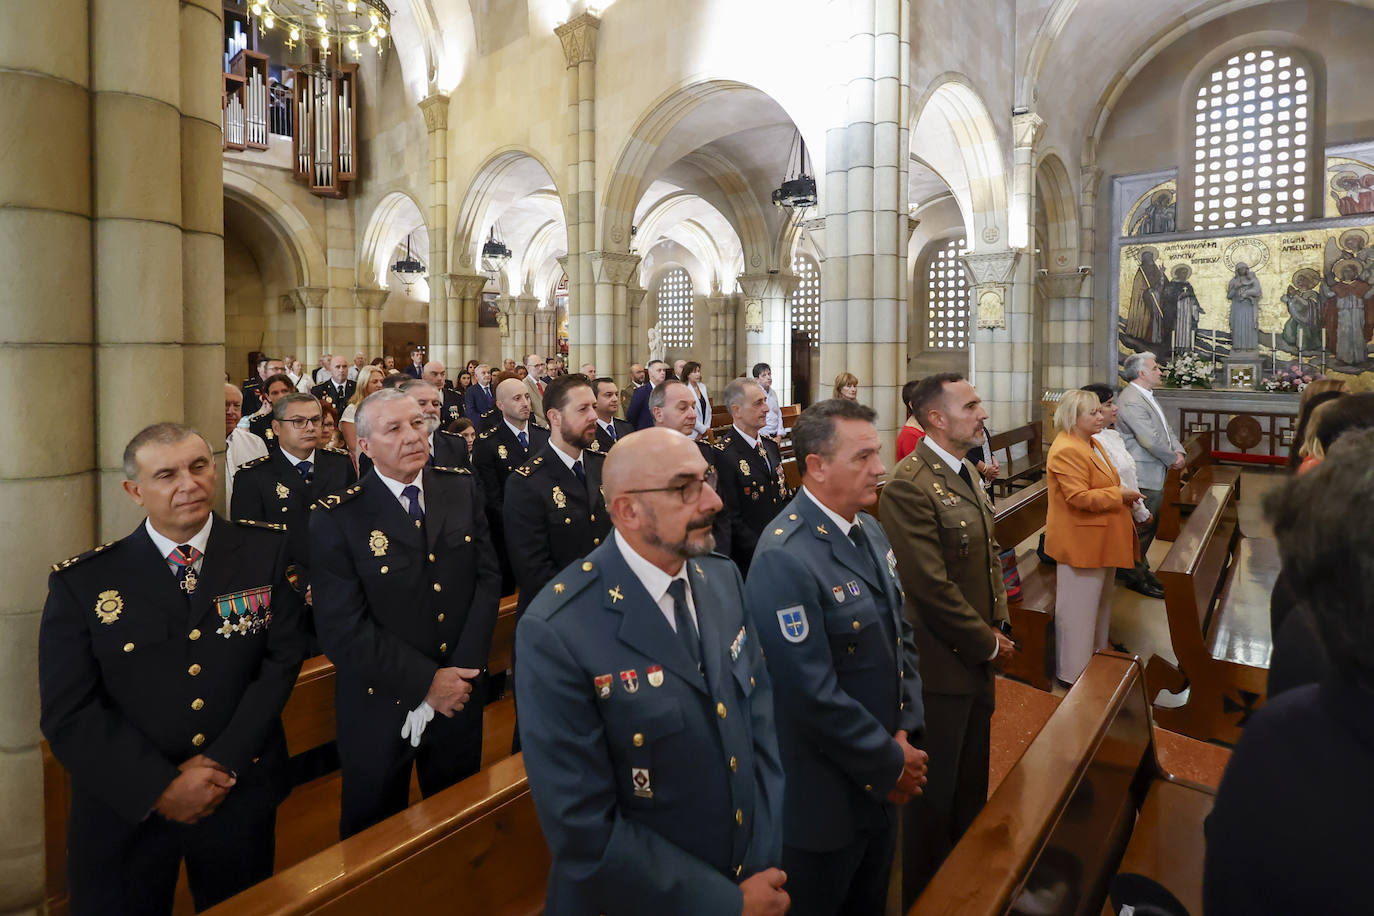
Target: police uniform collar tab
{"points": [[835, 517], [752, 442], [447, 470], [255, 462], [166, 545]]}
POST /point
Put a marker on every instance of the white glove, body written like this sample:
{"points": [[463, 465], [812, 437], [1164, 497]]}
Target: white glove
{"points": [[415, 723]]}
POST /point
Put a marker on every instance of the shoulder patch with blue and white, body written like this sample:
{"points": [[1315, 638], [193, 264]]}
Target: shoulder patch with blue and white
{"points": [[792, 620]]}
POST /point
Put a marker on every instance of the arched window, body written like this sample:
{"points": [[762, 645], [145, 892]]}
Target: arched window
{"points": [[805, 304], [1252, 129], [947, 298], [675, 309]]}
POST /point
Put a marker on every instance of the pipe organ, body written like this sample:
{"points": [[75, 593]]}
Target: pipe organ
{"points": [[251, 124], [324, 143]]}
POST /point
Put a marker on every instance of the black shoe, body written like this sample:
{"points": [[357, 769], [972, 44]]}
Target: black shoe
{"points": [[1147, 588]]}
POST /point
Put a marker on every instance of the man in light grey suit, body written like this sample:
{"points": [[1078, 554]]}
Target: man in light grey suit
{"points": [[1155, 448]]}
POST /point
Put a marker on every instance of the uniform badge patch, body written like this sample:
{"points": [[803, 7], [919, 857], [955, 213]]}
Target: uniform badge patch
{"points": [[853, 587], [378, 543], [891, 562], [603, 686], [108, 606], [639, 776], [838, 592], [282, 492], [559, 499], [737, 646], [630, 680], [744, 467], [792, 620], [655, 675], [502, 453]]}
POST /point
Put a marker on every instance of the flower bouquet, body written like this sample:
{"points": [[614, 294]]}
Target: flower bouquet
{"points": [[1189, 371], [1294, 378]]}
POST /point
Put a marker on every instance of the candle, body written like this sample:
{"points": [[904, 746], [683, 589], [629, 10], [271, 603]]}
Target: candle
{"points": [[1323, 350], [1274, 351]]}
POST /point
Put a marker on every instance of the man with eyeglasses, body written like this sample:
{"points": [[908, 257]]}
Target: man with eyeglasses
{"points": [[282, 486], [646, 710]]}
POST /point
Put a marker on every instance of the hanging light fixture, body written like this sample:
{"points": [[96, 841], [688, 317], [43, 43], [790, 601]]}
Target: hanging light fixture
{"points": [[331, 25], [495, 255], [798, 189], [409, 269]]}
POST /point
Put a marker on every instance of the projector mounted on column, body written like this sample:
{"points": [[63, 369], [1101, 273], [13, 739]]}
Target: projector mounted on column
{"points": [[798, 190]]}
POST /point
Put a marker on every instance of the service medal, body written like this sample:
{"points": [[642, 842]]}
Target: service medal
{"points": [[655, 675], [603, 686], [378, 542], [640, 777], [501, 452], [108, 606], [282, 492], [630, 680]]}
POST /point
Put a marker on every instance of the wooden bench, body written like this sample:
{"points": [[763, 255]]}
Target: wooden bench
{"points": [[1217, 584], [789, 412], [1023, 469], [1184, 487], [1020, 517], [1087, 800], [473, 848]]}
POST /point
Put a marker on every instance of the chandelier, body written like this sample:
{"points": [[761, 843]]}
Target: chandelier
{"points": [[409, 269], [327, 24], [495, 254], [798, 189]]}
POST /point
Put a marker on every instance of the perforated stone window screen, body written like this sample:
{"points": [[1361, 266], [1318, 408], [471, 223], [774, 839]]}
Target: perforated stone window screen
{"points": [[947, 298], [675, 309], [1252, 132], [806, 300]]}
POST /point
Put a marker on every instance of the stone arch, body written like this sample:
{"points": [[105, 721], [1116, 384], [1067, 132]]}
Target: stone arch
{"points": [[954, 135], [505, 177], [285, 222], [1054, 193], [678, 211], [396, 215]]}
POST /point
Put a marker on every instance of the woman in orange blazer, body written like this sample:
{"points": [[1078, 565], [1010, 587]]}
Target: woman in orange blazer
{"points": [[1088, 530]]}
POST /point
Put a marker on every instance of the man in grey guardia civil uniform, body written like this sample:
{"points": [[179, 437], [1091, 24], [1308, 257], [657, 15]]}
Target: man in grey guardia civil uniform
{"points": [[1153, 445], [824, 594], [646, 711]]}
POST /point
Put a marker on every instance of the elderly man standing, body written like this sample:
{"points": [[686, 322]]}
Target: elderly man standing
{"points": [[825, 597], [337, 389], [646, 711], [478, 399], [638, 378], [1155, 448], [359, 360], [436, 373], [406, 589], [750, 467], [941, 524], [638, 412]]}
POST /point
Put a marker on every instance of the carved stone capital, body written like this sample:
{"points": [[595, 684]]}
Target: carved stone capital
{"points": [[465, 286], [1063, 284], [634, 296], [369, 299], [309, 297], [1027, 129], [991, 272], [613, 266], [579, 39], [526, 305], [754, 285], [435, 109]]}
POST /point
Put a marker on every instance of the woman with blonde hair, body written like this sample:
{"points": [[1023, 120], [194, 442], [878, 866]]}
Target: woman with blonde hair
{"points": [[1088, 530], [847, 386], [369, 381]]}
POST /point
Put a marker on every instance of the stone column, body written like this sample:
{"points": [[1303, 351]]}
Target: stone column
{"points": [[310, 304], [863, 315], [369, 304], [578, 36], [1068, 328], [545, 331], [634, 307], [721, 361], [464, 293], [768, 338], [522, 326], [606, 343], [1000, 361], [1090, 177], [435, 109]]}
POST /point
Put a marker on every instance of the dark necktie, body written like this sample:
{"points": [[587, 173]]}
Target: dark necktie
{"points": [[417, 515], [183, 561], [610, 430], [968, 478], [686, 628], [860, 539], [577, 470], [523, 439], [304, 467]]}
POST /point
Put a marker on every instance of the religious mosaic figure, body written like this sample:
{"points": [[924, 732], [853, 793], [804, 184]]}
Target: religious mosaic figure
{"points": [[1244, 292], [1159, 216], [1349, 315], [1303, 331], [1181, 308], [1353, 193], [1145, 316]]}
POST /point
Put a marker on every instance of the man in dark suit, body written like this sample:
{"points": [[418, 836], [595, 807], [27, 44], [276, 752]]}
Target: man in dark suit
{"points": [[408, 586], [479, 398], [638, 411], [638, 378], [750, 467], [282, 486], [646, 709], [268, 366], [164, 662], [416, 367], [609, 428], [338, 388], [446, 449], [825, 598], [498, 452], [553, 509], [436, 374], [941, 524], [260, 424]]}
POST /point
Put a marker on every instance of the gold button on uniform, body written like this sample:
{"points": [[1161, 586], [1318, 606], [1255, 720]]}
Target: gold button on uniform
{"points": [[593, 518], [639, 740], [438, 587], [198, 739], [443, 647], [587, 566], [441, 618], [197, 704], [467, 539], [385, 570], [739, 815], [193, 670], [431, 558], [720, 710], [596, 542], [856, 625], [751, 681], [739, 870], [963, 524], [195, 634], [734, 764], [128, 647], [868, 788], [370, 691]]}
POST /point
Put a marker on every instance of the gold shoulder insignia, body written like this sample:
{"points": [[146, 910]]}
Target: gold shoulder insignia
{"points": [[524, 470], [251, 523], [485, 434], [445, 470], [719, 444], [58, 567], [538, 461], [334, 500], [262, 459], [337, 451]]}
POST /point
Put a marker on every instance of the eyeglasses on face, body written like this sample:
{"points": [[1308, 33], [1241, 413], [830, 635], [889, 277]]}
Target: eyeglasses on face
{"points": [[303, 422], [690, 491]]}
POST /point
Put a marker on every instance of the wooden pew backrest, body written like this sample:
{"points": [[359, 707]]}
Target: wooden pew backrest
{"points": [[1021, 514]]}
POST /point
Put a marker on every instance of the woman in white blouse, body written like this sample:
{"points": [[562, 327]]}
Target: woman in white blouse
{"points": [[691, 374], [1140, 579]]}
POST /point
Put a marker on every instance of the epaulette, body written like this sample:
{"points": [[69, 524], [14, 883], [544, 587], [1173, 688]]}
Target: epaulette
{"points": [[721, 442], [595, 450], [563, 587], [255, 462], [485, 434], [528, 467], [783, 526], [251, 523], [337, 499], [58, 567], [488, 412], [449, 433], [337, 451], [450, 470]]}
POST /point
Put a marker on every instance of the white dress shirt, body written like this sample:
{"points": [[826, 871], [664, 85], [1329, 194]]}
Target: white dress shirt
{"points": [[772, 426], [568, 462], [166, 545], [296, 461], [240, 448], [395, 486], [656, 582]]}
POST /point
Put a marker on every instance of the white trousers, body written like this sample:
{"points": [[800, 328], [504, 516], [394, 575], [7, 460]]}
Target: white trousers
{"points": [[1082, 613]]}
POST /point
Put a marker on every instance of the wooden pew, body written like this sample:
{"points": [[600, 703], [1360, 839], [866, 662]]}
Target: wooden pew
{"points": [[1217, 584], [1019, 517], [1184, 487], [473, 848], [1017, 472], [1087, 800]]}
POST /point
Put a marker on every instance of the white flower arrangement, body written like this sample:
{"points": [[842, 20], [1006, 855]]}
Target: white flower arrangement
{"points": [[1188, 371]]}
